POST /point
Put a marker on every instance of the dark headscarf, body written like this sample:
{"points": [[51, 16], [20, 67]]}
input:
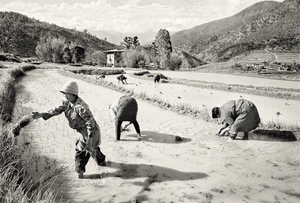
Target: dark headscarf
{"points": [[215, 112]]}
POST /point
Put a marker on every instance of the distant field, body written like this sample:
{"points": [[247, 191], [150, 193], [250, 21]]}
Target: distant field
{"points": [[260, 56], [256, 57], [288, 57]]}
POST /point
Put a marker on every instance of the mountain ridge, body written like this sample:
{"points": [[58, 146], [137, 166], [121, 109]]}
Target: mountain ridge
{"points": [[250, 29]]}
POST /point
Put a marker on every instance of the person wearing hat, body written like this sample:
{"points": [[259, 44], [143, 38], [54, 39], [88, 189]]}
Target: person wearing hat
{"points": [[124, 109], [81, 119], [236, 116]]}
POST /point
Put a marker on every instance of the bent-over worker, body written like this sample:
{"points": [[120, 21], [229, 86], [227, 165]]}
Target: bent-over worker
{"points": [[237, 116], [124, 109]]}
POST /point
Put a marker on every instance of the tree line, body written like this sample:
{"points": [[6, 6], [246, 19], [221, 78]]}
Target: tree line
{"points": [[28, 37]]}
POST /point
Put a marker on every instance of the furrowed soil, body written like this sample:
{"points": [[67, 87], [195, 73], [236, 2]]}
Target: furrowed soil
{"points": [[200, 168]]}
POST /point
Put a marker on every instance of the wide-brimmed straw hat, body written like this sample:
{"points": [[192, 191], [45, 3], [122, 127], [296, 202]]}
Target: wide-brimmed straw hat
{"points": [[70, 87]]}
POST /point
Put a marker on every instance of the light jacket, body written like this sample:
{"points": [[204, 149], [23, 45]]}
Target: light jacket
{"points": [[241, 115], [81, 119]]}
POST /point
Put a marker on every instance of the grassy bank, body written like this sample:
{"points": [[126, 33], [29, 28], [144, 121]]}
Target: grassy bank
{"points": [[183, 109], [15, 184]]}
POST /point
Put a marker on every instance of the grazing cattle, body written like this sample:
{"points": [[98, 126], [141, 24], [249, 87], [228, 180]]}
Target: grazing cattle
{"points": [[122, 78]]}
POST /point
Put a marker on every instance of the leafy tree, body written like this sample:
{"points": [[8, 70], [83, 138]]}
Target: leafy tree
{"points": [[130, 42], [12, 34], [133, 58], [175, 62], [57, 50], [136, 42], [67, 56], [164, 47], [44, 49], [78, 53], [99, 57], [57, 45], [127, 42]]}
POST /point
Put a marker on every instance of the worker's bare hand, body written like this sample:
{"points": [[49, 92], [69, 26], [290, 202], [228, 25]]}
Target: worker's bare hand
{"points": [[224, 132], [36, 115]]}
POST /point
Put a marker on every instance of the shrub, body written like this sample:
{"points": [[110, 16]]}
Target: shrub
{"points": [[44, 49], [97, 71], [57, 45], [98, 57], [132, 58], [175, 62], [140, 73]]}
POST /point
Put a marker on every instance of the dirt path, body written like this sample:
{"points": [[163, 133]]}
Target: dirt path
{"points": [[202, 168]]}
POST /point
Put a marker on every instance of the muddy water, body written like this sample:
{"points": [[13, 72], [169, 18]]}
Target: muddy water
{"points": [[231, 79], [270, 109], [155, 169]]}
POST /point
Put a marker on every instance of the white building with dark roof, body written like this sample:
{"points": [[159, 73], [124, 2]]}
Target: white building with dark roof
{"points": [[114, 58]]}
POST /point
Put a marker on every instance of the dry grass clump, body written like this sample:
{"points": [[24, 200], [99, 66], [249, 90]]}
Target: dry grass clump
{"points": [[149, 75], [7, 90], [15, 184], [141, 73], [97, 71], [283, 130]]}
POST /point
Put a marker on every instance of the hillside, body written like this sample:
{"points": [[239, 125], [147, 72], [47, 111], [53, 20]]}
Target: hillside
{"points": [[266, 24], [20, 35]]}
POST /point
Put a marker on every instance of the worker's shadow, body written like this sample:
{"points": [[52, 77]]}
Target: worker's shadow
{"points": [[152, 136], [152, 173], [272, 135]]}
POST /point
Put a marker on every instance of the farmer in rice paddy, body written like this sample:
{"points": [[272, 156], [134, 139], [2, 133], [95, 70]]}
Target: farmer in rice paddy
{"points": [[156, 77], [124, 109], [122, 78], [80, 119], [237, 116]]}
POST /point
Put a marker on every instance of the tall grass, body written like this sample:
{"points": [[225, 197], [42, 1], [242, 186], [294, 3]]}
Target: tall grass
{"points": [[15, 184]]}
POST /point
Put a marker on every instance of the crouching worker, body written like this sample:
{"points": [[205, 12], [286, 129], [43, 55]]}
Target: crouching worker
{"points": [[156, 77], [237, 116], [122, 78], [124, 109], [80, 118]]}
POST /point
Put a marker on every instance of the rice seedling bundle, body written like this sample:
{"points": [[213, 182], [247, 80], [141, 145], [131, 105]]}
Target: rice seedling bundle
{"points": [[24, 121]]}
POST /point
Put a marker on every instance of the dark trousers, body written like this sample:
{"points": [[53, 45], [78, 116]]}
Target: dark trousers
{"points": [[118, 125], [82, 158]]}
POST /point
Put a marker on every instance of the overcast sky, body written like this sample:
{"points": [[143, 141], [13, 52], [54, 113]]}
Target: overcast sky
{"points": [[127, 15]]}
